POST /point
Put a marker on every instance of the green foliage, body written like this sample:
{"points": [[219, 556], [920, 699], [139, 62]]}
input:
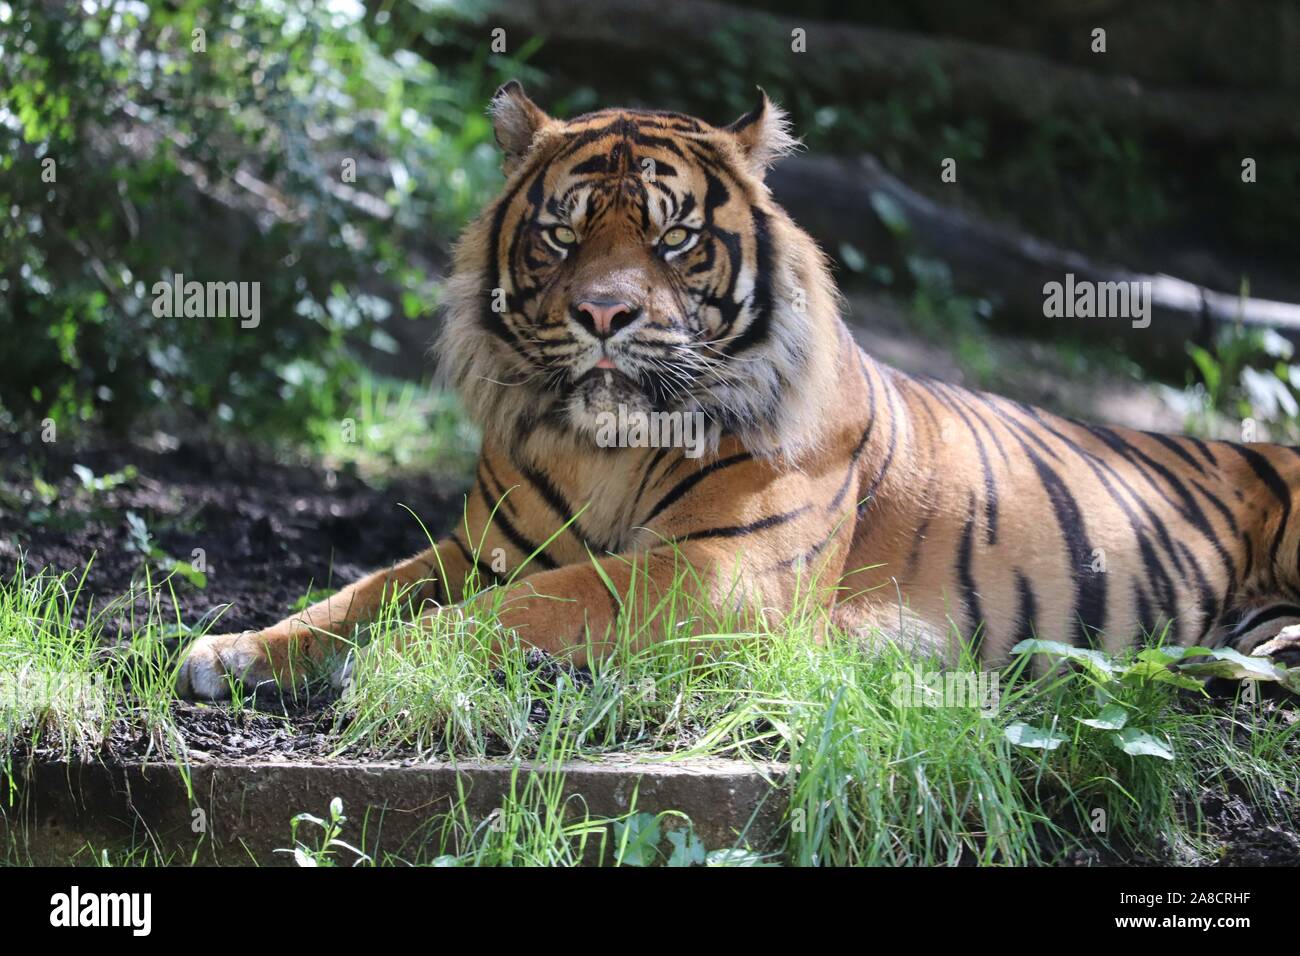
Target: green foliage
{"points": [[133, 148], [328, 842], [1248, 375], [141, 542]]}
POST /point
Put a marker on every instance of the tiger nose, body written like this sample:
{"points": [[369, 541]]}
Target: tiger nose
{"points": [[603, 317]]}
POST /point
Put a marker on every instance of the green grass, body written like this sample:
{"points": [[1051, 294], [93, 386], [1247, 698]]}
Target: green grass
{"points": [[60, 689], [397, 426], [876, 777]]}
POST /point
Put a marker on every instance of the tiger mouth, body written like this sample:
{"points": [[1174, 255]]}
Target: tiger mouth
{"points": [[612, 376]]}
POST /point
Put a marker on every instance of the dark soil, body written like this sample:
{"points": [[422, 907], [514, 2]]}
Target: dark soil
{"points": [[269, 530]]}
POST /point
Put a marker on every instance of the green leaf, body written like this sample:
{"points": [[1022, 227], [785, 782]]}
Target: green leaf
{"points": [[1112, 717], [1025, 735], [1233, 665], [734, 857], [638, 839], [1144, 671], [688, 849], [890, 213], [191, 574], [1171, 653], [1098, 660], [1290, 679], [1141, 744]]}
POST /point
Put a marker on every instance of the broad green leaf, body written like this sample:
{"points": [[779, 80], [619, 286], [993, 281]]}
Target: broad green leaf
{"points": [[1290, 679], [1171, 653], [638, 839], [688, 849], [191, 574], [1112, 717], [1098, 660], [733, 857], [1144, 671], [1233, 665], [1141, 744], [1025, 735]]}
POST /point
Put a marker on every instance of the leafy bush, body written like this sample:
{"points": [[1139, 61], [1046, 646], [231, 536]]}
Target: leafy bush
{"points": [[1250, 377], [218, 142]]}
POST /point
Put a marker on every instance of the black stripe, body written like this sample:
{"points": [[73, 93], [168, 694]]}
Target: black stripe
{"points": [[543, 485], [739, 530], [1028, 612], [485, 573], [890, 448], [970, 597], [1146, 620], [990, 482], [760, 299], [1190, 510], [1105, 474], [1263, 617], [655, 461], [690, 481], [1273, 481], [501, 516], [1176, 448], [1089, 607]]}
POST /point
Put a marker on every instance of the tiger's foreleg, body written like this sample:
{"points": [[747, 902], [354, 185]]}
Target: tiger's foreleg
{"points": [[583, 611], [286, 652]]}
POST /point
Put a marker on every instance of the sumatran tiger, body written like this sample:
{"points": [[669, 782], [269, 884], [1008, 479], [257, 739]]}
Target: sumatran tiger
{"points": [[635, 263]]}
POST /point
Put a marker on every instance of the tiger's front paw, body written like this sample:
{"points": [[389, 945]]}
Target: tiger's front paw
{"points": [[214, 662]]}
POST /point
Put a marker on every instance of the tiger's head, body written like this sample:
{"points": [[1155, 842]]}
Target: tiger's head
{"points": [[636, 259]]}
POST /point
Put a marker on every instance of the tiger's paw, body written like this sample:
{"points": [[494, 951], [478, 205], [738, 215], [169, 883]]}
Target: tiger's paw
{"points": [[1283, 647], [217, 661]]}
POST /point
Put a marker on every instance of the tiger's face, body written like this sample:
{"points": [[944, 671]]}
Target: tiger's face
{"points": [[634, 264], [621, 276]]}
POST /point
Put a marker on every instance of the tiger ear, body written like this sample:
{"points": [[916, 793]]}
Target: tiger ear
{"points": [[515, 122], [763, 135]]}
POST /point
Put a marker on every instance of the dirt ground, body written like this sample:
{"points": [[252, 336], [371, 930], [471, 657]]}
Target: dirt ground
{"points": [[268, 530]]}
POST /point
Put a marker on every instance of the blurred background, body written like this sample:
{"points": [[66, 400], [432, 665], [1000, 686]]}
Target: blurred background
{"points": [[332, 151]]}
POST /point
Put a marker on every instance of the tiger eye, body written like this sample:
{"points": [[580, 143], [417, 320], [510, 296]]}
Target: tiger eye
{"points": [[674, 237], [564, 235]]}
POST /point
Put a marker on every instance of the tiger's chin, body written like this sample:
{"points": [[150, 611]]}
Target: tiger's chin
{"points": [[600, 399]]}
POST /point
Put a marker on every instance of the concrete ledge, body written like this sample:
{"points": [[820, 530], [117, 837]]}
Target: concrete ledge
{"points": [[239, 813]]}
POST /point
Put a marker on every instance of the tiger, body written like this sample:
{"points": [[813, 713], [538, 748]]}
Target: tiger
{"points": [[636, 263]]}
